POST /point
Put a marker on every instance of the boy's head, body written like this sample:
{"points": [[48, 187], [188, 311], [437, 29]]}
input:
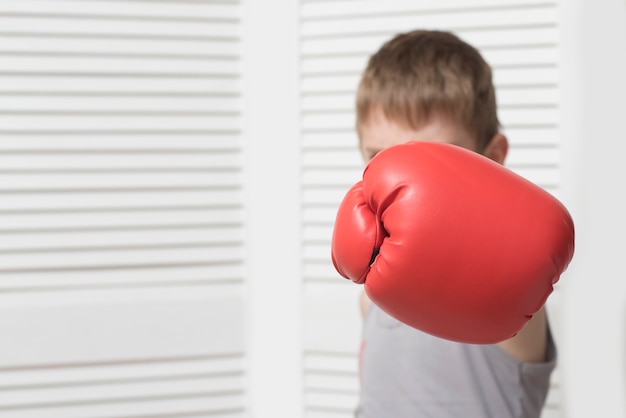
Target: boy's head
{"points": [[428, 84]]}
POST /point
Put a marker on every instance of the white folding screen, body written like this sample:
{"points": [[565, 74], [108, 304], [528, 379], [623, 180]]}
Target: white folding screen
{"points": [[121, 209], [520, 39], [122, 204]]}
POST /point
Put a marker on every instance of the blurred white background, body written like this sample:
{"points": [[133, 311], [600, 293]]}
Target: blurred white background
{"points": [[170, 171]]}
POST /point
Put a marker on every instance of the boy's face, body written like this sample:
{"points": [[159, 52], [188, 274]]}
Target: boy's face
{"points": [[380, 133]]}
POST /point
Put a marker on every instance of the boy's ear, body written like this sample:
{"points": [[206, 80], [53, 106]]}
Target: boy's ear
{"points": [[497, 148]]}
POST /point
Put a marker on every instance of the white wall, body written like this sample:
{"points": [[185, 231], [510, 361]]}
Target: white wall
{"points": [[594, 327]]}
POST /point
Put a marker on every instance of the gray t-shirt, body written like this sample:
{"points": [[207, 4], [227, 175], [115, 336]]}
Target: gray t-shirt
{"points": [[406, 373]]}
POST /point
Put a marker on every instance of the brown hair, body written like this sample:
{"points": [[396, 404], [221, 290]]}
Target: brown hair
{"points": [[419, 74]]}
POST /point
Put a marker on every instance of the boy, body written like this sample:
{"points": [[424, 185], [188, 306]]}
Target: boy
{"points": [[431, 86]]}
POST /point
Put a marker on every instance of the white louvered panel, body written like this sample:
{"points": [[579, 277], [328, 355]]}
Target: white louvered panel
{"points": [[121, 209], [520, 39]]}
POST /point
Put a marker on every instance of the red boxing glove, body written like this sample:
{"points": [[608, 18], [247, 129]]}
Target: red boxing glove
{"points": [[452, 243]]}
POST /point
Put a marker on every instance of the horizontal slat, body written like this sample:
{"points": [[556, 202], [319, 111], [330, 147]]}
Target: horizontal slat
{"points": [[118, 10], [532, 55], [167, 120], [157, 275], [327, 103], [120, 258], [87, 103], [341, 363], [507, 98], [318, 252], [548, 177], [319, 215], [95, 181], [330, 381], [333, 400], [348, 158], [321, 273], [333, 63], [530, 115], [320, 232], [529, 135], [131, 26], [531, 76], [67, 160], [210, 387], [548, 115], [146, 217], [363, 21], [323, 9], [227, 366], [330, 84], [121, 82], [351, 54], [119, 199], [122, 46], [488, 40], [329, 140], [149, 142], [325, 196], [347, 140], [196, 406], [331, 176], [512, 37], [544, 156], [527, 96], [98, 65], [503, 78], [327, 413]]}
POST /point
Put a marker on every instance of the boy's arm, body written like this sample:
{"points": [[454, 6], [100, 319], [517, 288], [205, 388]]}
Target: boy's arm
{"points": [[529, 345], [364, 303]]}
